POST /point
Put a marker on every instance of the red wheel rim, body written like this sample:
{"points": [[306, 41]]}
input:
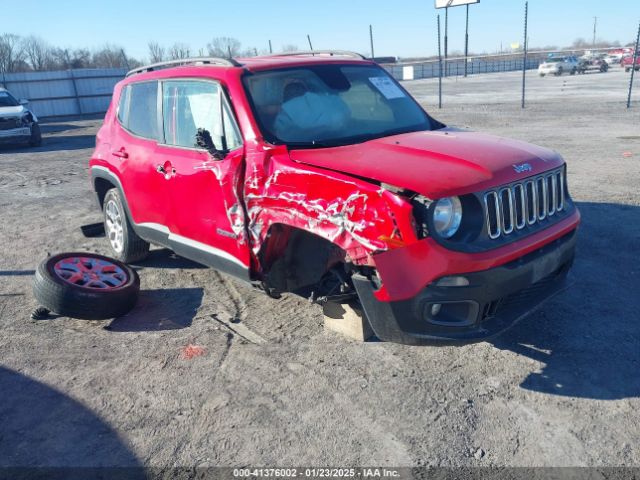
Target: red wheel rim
{"points": [[90, 272]]}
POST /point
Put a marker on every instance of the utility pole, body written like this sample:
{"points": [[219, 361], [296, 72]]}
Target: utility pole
{"points": [[633, 67], [595, 26], [466, 42], [309, 39], [446, 37], [371, 39], [524, 60], [439, 68], [270, 47]]}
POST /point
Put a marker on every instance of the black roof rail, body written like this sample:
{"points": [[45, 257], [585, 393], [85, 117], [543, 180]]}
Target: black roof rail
{"points": [[212, 61], [331, 53]]}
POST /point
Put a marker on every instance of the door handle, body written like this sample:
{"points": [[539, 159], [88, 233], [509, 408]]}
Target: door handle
{"points": [[167, 170], [122, 153]]}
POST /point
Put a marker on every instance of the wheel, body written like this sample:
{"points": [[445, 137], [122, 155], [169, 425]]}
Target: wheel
{"points": [[627, 69], [125, 243], [573, 71], [36, 136], [86, 285], [542, 74], [559, 72], [604, 67]]}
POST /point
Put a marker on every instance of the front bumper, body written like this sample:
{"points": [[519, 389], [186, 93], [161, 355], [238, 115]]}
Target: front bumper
{"points": [[493, 301], [21, 134]]}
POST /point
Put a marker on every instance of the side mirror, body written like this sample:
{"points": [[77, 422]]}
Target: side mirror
{"points": [[204, 140], [23, 101]]}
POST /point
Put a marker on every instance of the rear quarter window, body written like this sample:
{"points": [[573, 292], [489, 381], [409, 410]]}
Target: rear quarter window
{"points": [[123, 107]]}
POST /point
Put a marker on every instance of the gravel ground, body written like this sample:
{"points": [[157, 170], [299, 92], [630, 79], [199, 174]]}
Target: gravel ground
{"points": [[274, 388]]}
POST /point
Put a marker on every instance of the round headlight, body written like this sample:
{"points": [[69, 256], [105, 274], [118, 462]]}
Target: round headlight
{"points": [[447, 215]]}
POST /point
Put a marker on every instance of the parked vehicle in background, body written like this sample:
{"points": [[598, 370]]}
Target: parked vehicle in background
{"points": [[18, 124], [317, 173], [558, 65], [627, 63], [613, 60], [593, 63]]}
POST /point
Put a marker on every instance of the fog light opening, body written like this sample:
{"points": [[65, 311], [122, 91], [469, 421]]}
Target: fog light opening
{"points": [[459, 313]]}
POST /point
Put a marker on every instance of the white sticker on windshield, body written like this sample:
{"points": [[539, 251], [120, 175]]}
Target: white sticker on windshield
{"points": [[386, 86]]}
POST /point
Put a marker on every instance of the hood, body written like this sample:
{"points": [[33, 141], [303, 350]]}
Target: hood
{"points": [[9, 112], [436, 163]]}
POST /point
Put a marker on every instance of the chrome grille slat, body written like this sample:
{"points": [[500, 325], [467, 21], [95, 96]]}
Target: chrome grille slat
{"points": [[495, 208], [520, 206], [532, 208], [524, 204], [553, 195], [506, 210]]}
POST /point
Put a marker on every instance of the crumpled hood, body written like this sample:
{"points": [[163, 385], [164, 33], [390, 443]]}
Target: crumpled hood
{"points": [[11, 112], [436, 163]]}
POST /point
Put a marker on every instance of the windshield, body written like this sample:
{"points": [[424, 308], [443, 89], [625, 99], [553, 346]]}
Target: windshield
{"points": [[7, 100], [555, 60], [327, 105]]}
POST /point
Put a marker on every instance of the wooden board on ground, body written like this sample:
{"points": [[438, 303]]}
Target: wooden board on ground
{"points": [[347, 319]]}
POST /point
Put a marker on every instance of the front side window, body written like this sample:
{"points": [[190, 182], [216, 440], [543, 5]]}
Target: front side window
{"points": [[325, 105], [143, 110], [189, 105]]}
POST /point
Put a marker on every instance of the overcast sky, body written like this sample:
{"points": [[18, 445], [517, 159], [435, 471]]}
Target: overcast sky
{"points": [[401, 27]]}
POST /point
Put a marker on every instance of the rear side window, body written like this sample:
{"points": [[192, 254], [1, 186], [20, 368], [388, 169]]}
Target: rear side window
{"points": [[189, 105], [142, 114]]}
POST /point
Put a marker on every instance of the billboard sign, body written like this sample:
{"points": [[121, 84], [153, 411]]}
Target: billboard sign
{"points": [[454, 3]]}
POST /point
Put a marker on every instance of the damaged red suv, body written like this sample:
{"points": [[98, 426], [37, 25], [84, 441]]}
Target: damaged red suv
{"points": [[317, 173]]}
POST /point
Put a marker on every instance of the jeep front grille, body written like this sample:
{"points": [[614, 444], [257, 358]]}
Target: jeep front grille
{"points": [[524, 204]]}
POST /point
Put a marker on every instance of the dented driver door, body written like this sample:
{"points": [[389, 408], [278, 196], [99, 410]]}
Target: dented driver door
{"points": [[207, 220]]}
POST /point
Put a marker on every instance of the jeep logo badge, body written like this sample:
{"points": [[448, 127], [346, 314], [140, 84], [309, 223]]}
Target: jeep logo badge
{"points": [[525, 167]]}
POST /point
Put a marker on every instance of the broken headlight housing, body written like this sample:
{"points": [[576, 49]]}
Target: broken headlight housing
{"points": [[27, 119]]}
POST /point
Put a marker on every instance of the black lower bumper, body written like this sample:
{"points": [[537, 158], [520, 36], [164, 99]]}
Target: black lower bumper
{"points": [[492, 301]]}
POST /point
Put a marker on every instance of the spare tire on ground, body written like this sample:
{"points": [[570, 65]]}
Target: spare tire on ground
{"points": [[86, 285]]}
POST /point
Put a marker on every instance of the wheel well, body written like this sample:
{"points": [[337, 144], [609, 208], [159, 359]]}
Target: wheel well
{"points": [[293, 259], [102, 186]]}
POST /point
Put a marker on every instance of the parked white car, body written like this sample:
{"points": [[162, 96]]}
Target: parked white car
{"points": [[558, 65], [613, 60], [18, 124]]}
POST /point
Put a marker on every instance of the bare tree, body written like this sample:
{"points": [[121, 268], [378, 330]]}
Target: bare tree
{"points": [[156, 52], [110, 56], [11, 53], [289, 48], [178, 51], [224, 47], [37, 52]]}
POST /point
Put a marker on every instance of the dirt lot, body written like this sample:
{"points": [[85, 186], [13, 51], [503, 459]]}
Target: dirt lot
{"points": [[560, 389]]}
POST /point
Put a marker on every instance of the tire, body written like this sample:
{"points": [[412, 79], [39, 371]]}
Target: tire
{"points": [[627, 70], [86, 286], [36, 136], [559, 72], [573, 71], [124, 242], [542, 74], [604, 68]]}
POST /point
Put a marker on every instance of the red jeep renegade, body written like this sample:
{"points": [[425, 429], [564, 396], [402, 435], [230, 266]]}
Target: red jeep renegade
{"points": [[317, 173]]}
